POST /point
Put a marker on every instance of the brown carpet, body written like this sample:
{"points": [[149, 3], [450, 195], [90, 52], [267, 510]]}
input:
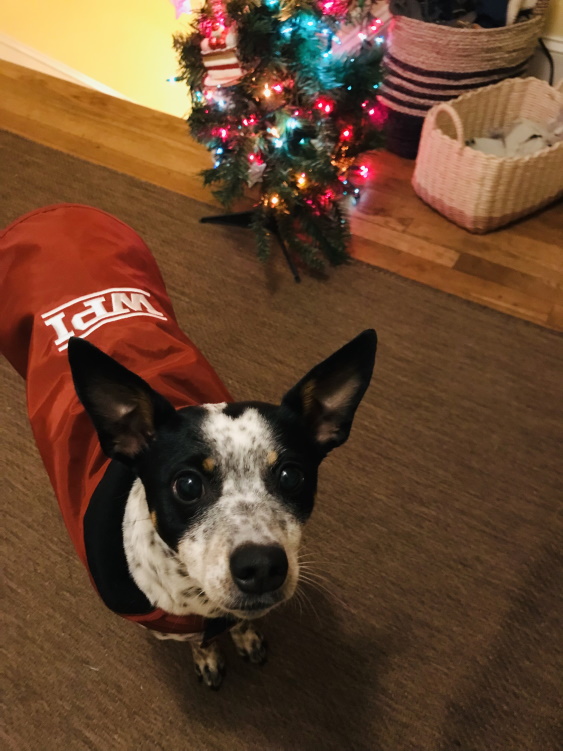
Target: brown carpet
{"points": [[438, 527]]}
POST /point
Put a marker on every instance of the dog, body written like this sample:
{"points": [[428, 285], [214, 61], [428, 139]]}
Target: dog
{"points": [[185, 507]]}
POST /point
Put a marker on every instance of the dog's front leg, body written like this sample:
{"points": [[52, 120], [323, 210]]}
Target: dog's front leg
{"points": [[249, 643], [209, 664]]}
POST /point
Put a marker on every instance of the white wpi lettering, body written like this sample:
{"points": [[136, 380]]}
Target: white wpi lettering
{"points": [[82, 316], [58, 323], [120, 302], [93, 312]]}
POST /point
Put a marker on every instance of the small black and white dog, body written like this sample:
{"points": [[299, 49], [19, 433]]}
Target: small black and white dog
{"points": [[194, 522], [213, 523]]}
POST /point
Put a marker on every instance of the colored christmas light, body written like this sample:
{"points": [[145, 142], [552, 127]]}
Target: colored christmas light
{"points": [[325, 105], [334, 7]]}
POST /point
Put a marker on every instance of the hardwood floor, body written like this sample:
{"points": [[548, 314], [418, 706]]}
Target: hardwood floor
{"points": [[518, 270]]}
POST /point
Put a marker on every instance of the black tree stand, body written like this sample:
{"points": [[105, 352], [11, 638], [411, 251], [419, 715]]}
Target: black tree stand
{"points": [[244, 219]]}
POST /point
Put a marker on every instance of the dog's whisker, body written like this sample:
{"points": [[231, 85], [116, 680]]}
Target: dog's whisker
{"points": [[312, 574], [317, 584], [307, 601], [324, 590], [317, 580], [307, 558], [299, 601], [317, 576]]}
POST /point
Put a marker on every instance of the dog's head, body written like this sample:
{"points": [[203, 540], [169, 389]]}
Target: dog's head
{"points": [[228, 486]]}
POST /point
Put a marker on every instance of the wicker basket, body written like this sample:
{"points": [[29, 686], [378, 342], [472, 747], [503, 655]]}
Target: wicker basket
{"points": [[479, 191], [427, 63]]}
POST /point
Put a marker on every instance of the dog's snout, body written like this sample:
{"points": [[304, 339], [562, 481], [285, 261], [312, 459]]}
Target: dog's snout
{"points": [[257, 569]]}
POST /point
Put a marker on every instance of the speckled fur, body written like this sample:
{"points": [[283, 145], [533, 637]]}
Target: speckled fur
{"points": [[156, 569], [245, 513]]}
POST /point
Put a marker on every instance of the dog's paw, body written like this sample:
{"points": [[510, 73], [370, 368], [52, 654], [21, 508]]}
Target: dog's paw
{"points": [[209, 665], [249, 643], [211, 675]]}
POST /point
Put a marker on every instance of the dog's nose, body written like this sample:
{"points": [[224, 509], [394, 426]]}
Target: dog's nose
{"points": [[259, 568]]}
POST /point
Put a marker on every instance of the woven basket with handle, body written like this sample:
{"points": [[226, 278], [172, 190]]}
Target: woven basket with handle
{"points": [[427, 63], [478, 191]]}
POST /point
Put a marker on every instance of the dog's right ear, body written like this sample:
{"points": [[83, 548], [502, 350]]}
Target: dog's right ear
{"points": [[125, 410]]}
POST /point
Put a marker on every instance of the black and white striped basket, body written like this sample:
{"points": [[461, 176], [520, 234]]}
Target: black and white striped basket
{"points": [[428, 63]]}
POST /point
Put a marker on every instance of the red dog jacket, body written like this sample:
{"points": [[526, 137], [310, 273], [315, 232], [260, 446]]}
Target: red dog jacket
{"points": [[75, 270]]}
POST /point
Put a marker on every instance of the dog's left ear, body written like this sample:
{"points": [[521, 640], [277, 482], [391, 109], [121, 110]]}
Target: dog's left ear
{"points": [[327, 398], [125, 410]]}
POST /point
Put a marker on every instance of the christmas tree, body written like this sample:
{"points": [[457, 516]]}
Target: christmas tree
{"points": [[283, 94]]}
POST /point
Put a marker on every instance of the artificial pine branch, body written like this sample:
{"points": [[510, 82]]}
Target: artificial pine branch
{"points": [[258, 225]]}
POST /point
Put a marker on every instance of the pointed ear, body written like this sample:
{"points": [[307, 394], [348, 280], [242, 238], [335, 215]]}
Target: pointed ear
{"points": [[327, 398], [125, 410]]}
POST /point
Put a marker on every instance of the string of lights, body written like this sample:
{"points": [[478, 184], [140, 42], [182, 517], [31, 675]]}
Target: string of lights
{"points": [[282, 105]]}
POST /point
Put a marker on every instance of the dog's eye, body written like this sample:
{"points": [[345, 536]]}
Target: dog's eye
{"points": [[188, 487], [290, 478]]}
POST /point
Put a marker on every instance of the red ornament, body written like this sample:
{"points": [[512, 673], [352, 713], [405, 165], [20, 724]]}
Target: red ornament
{"points": [[219, 55]]}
